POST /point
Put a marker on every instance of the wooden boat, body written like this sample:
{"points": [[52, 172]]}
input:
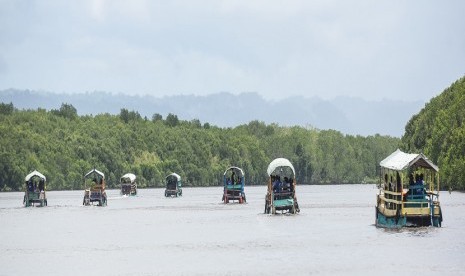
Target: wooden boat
{"points": [[128, 184], [173, 185], [408, 192], [35, 186], [94, 181], [234, 182], [281, 186]]}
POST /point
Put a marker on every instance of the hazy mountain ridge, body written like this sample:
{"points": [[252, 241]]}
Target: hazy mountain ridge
{"points": [[348, 115]]}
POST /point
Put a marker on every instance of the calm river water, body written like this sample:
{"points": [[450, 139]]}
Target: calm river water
{"points": [[198, 235]]}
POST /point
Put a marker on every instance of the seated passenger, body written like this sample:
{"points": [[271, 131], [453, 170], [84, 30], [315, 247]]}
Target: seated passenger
{"points": [[30, 186], [41, 185], [421, 186], [275, 184], [291, 184]]}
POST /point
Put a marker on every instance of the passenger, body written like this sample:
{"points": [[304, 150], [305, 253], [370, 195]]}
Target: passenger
{"points": [[30, 186], [41, 185], [228, 181], [421, 190], [280, 184], [233, 177], [286, 185], [411, 182], [275, 184]]}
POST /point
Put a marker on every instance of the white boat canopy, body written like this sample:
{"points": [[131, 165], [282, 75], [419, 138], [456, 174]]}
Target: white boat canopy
{"points": [[96, 171], [234, 168], [35, 173], [400, 161], [279, 162], [178, 177], [130, 176]]}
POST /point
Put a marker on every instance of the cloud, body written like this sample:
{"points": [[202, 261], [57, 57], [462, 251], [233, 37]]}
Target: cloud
{"points": [[382, 49]]}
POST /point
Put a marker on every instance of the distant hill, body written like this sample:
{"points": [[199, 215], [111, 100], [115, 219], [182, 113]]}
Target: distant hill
{"points": [[348, 115], [438, 130]]}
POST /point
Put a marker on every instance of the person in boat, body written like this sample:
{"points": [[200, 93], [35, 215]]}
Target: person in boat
{"points": [[279, 184], [285, 184], [41, 185], [275, 180], [233, 177], [421, 185], [30, 186], [291, 187], [228, 181]]}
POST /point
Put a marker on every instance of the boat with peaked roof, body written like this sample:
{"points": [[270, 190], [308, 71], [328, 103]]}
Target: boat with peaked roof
{"points": [[94, 182], [408, 192]]}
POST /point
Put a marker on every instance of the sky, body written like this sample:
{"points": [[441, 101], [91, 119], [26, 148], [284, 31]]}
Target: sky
{"points": [[387, 49]]}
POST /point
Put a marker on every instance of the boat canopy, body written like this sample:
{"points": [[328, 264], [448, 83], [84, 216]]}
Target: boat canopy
{"points": [[96, 171], [35, 173], [236, 169], [178, 177], [400, 161], [130, 176], [279, 162]]}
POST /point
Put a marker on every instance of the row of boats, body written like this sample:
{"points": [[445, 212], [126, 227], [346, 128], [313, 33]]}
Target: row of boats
{"points": [[408, 189]]}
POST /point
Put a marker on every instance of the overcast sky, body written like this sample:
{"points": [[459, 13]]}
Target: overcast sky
{"points": [[408, 50]]}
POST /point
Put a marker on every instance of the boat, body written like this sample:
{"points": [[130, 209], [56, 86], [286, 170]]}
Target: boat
{"points": [[173, 185], [128, 185], [408, 192], [35, 186], [234, 182], [281, 188], [94, 183]]}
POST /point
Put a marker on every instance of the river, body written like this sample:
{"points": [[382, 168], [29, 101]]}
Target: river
{"points": [[196, 234]]}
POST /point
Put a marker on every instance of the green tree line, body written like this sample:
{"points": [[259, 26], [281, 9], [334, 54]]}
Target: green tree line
{"points": [[64, 146], [438, 131]]}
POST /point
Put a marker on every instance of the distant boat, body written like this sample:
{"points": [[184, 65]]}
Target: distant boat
{"points": [[281, 186], [94, 181], [35, 190], [128, 185], [408, 192], [234, 182], [173, 185]]}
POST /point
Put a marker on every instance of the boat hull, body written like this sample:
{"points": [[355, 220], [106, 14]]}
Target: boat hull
{"points": [[406, 221]]}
